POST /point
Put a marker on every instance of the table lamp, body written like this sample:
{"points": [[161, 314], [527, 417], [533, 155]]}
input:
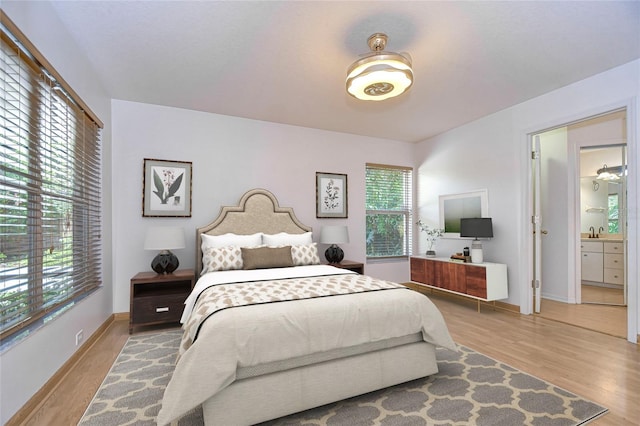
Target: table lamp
{"points": [[334, 235], [164, 239], [477, 227]]}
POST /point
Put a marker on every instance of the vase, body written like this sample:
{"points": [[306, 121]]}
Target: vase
{"points": [[431, 253]]}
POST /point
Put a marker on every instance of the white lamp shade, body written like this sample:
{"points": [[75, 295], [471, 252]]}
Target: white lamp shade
{"points": [[164, 238], [334, 234]]}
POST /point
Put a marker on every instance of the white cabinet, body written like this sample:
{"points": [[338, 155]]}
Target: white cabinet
{"points": [[603, 261], [613, 263], [592, 261]]}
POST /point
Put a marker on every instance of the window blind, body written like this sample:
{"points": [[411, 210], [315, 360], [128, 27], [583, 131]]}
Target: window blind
{"points": [[50, 191], [389, 210]]}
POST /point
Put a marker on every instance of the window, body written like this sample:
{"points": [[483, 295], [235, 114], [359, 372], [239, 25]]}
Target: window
{"points": [[613, 210], [389, 215], [50, 226]]}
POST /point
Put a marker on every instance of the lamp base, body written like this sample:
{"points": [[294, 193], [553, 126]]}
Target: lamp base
{"points": [[165, 262], [334, 254], [476, 252]]}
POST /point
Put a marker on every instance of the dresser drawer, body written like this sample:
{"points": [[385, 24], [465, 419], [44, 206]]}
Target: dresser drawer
{"points": [[158, 309]]}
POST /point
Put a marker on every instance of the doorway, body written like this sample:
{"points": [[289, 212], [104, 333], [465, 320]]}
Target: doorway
{"points": [[603, 225], [563, 213]]}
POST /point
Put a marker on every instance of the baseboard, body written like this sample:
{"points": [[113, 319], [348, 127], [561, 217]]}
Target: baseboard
{"points": [[121, 316], [503, 306], [40, 397]]}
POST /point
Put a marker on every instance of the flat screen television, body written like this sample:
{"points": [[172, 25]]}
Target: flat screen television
{"points": [[477, 227]]}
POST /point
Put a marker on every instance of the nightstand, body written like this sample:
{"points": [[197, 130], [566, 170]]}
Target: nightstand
{"points": [[350, 265], [159, 298]]}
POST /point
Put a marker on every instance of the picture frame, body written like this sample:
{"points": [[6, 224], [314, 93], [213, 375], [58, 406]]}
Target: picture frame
{"points": [[331, 195], [454, 207], [166, 188]]}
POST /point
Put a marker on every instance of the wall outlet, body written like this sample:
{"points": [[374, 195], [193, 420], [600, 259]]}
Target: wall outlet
{"points": [[79, 337]]}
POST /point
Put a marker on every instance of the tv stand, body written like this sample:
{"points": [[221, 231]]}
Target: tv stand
{"points": [[481, 281]]}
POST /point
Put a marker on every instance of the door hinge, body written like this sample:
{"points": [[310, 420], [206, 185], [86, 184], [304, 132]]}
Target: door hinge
{"points": [[535, 155], [535, 219], [535, 283]]}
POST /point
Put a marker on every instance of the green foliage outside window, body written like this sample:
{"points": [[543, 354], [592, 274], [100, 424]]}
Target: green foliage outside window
{"points": [[614, 225], [388, 218]]}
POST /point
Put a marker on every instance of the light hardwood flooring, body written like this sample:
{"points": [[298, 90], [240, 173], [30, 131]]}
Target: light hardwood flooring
{"points": [[600, 367], [607, 319], [597, 294]]}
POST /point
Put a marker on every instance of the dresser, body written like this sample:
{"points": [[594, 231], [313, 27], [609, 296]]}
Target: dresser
{"points": [[482, 281]]}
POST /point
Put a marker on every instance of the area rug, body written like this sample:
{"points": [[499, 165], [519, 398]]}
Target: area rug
{"points": [[469, 389]]}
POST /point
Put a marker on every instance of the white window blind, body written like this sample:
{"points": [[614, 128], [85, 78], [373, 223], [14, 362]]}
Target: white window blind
{"points": [[389, 210], [50, 225]]}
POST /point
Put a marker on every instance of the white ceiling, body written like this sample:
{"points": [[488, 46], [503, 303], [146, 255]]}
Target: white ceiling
{"points": [[286, 62]]}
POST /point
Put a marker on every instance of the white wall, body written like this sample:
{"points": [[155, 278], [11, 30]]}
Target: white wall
{"points": [[493, 153], [26, 367], [231, 155]]}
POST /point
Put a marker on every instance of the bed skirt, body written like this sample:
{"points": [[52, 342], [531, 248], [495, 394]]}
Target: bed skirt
{"points": [[261, 398]]}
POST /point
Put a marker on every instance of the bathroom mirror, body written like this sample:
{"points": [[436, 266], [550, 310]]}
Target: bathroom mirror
{"points": [[602, 212]]}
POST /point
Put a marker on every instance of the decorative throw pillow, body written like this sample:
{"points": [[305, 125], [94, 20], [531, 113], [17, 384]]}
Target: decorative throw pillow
{"points": [[221, 259], [266, 257], [229, 239], [305, 254], [285, 239]]}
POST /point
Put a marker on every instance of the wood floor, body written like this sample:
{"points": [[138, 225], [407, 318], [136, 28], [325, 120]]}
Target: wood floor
{"points": [[597, 294], [600, 367], [603, 318]]}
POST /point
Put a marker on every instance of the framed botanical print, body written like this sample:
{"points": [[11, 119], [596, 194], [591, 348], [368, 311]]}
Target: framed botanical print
{"points": [[331, 195], [166, 188]]}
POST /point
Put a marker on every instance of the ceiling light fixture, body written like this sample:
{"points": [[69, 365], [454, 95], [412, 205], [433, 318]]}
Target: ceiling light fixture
{"points": [[611, 173], [379, 75]]}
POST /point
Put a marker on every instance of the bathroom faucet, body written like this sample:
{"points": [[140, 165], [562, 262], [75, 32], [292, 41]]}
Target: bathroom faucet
{"points": [[593, 232], [600, 231]]}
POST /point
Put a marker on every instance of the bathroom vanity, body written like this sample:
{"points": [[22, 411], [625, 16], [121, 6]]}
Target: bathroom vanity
{"points": [[603, 261]]}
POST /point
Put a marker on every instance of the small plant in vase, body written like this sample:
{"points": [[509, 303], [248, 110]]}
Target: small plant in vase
{"points": [[432, 236]]}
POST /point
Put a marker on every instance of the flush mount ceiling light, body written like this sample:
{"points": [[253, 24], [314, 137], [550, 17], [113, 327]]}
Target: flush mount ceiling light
{"points": [[379, 75]]}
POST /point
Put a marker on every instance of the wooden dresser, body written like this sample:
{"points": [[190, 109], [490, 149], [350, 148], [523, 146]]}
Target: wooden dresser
{"points": [[481, 281]]}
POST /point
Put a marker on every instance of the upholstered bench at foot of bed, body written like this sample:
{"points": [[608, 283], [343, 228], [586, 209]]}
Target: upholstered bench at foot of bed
{"points": [[261, 398]]}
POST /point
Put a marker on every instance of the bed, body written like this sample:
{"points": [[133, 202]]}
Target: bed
{"points": [[304, 334]]}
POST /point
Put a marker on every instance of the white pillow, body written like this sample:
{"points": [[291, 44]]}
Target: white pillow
{"points": [[229, 239], [221, 259], [305, 254], [284, 239]]}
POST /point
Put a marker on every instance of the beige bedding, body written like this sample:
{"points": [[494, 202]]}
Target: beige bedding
{"points": [[253, 335]]}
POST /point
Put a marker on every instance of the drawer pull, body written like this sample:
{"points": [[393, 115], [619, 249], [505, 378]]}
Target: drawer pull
{"points": [[165, 309]]}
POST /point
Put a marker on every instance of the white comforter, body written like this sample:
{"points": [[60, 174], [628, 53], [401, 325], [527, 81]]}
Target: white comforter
{"points": [[259, 334]]}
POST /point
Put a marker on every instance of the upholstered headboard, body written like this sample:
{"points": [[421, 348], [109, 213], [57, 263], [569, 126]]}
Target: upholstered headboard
{"points": [[257, 211]]}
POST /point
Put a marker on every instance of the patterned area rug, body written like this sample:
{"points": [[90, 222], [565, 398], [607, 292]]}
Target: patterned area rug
{"points": [[470, 389]]}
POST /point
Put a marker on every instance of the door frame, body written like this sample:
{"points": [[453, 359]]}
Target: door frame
{"points": [[526, 298]]}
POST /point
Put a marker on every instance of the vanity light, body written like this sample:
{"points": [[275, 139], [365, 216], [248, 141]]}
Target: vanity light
{"points": [[610, 173], [379, 75]]}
